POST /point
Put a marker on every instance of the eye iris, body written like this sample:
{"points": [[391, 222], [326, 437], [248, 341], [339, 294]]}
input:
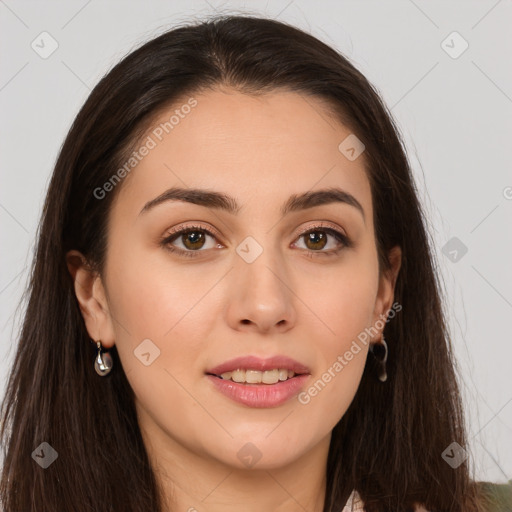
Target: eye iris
{"points": [[316, 237], [196, 237]]}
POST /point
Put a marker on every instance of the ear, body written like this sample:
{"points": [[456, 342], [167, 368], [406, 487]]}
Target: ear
{"points": [[387, 281], [92, 299]]}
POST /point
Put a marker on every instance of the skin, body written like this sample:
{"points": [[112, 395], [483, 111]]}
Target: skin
{"points": [[205, 310]]}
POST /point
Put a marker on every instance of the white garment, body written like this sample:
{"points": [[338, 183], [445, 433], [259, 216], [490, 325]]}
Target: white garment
{"points": [[355, 504]]}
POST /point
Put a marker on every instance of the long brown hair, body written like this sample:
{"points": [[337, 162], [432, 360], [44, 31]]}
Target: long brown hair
{"points": [[388, 445]]}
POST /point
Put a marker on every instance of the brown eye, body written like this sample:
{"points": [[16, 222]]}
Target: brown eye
{"points": [[189, 241], [315, 240], [318, 238], [193, 239]]}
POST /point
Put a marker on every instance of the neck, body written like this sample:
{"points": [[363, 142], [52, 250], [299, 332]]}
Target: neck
{"points": [[194, 481]]}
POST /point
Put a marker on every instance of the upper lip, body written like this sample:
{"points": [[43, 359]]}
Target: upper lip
{"points": [[257, 363]]}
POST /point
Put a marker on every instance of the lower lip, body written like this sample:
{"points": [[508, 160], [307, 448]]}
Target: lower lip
{"points": [[260, 395]]}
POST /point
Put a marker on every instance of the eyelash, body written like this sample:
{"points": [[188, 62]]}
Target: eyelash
{"points": [[340, 237]]}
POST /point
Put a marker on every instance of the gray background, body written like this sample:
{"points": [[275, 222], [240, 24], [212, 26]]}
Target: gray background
{"points": [[455, 115]]}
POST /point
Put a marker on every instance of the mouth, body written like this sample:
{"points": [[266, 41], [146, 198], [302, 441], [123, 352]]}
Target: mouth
{"points": [[253, 370], [255, 393], [255, 377]]}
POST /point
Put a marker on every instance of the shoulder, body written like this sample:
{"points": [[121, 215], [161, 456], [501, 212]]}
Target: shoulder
{"points": [[496, 497]]}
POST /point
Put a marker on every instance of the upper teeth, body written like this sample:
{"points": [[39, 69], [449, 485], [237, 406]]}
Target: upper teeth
{"points": [[256, 377]]}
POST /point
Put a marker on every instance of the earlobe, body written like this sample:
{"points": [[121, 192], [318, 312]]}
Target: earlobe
{"points": [[91, 298]]}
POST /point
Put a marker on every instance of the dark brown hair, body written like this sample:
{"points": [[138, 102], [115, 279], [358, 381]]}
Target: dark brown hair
{"points": [[389, 443]]}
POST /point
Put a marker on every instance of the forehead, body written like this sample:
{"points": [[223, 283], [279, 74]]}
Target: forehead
{"points": [[269, 146]]}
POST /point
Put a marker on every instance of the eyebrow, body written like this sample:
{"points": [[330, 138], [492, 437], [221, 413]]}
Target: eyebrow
{"points": [[220, 201]]}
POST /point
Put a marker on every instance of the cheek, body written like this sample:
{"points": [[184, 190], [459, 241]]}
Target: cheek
{"points": [[347, 303], [165, 318], [346, 308], [172, 308], [341, 361], [157, 309], [150, 292]]}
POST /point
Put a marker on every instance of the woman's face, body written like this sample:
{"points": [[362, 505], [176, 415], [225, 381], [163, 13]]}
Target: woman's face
{"points": [[246, 280]]}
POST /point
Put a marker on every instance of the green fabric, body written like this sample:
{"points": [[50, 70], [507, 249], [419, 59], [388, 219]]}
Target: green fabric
{"points": [[497, 497]]}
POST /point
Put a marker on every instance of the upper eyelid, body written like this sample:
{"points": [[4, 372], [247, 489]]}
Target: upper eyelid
{"points": [[181, 229]]}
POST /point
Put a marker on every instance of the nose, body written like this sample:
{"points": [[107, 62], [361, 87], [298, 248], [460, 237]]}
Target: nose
{"points": [[262, 297]]}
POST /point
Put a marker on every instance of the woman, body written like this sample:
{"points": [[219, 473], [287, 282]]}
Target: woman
{"points": [[232, 236]]}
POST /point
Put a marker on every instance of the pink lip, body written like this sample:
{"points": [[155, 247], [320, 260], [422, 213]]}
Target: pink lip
{"points": [[256, 363], [260, 395]]}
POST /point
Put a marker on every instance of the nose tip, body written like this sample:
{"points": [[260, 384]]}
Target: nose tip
{"points": [[261, 299]]}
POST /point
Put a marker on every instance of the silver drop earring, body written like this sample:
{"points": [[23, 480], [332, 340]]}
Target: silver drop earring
{"points": [[376, 349], [103, 362]]}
